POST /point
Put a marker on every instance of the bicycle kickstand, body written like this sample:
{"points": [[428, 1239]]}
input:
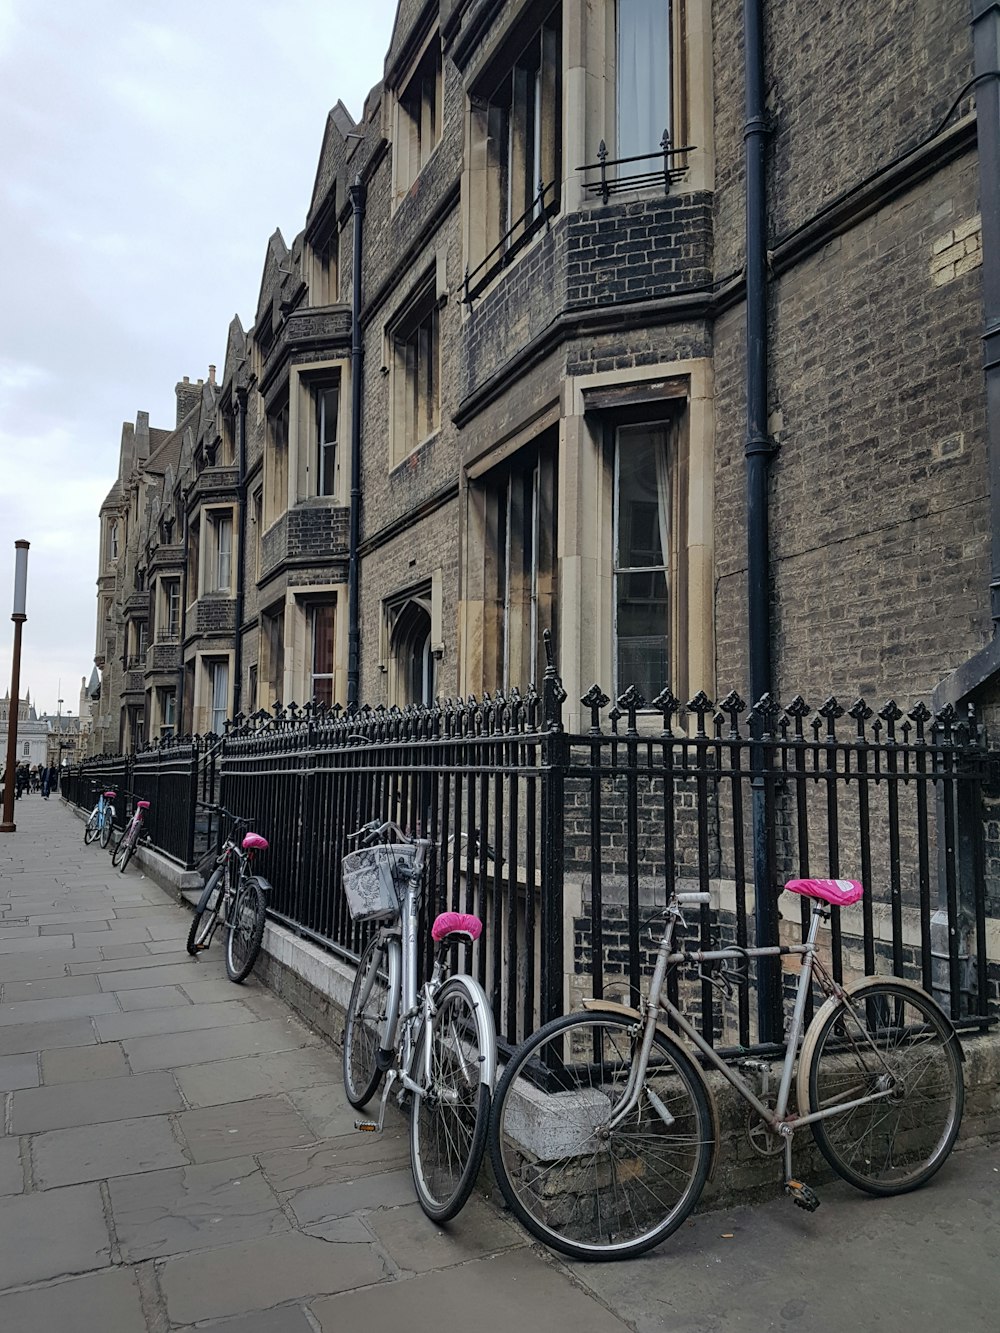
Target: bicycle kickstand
{"points": [[375, 1126]]}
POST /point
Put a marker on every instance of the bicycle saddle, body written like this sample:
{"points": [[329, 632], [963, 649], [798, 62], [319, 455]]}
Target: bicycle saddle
{"points": [[143, 805], [837, 892], [253, 842], [109, 795], [458, 924]]}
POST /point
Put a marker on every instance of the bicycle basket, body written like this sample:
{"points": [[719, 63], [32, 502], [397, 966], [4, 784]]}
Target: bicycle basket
{"points": [[370, 880]]}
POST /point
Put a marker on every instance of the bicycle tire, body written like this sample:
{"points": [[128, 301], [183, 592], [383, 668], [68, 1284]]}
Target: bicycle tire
{"points": [[245, 928], [106, 826], [896, 1144], [131, 841], [91, 828], [206, 914], [118, 851], [449, 1123], [366, 1012], [582, 1188]]}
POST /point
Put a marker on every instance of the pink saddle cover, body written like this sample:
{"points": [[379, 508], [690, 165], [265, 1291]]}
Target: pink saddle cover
{"points": [[253, 842], [837, 892], [450, 922], [143, 805], [109, 795]]}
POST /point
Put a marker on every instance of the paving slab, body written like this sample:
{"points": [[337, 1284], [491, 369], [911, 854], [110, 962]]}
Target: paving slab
{"points": [[192, 1048], [23, 1037], [51, 988], [80, 927], [326, 1110], [93, 1102], [115, 951], [190, 1018], [159, 970], [96, 1152], [32, 968], [282, 1319], [389, 1189], [348, 1158], [193, 1208], [74, 919], [18, 1071], [47, 944], [490, 1294], [415, 1244], [72, 1064], [52, 1234], [255, 1076], [67, 1006], [151, 997], [259, 1274], [217, 1132], [11, 1170], [78, 967], [99, 1303]]}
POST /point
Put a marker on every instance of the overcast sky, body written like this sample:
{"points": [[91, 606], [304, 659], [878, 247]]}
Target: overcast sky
{"points": [[147, 152]]}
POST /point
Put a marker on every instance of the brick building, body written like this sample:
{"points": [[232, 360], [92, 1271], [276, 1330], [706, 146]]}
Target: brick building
{"points": [[548, 393]]}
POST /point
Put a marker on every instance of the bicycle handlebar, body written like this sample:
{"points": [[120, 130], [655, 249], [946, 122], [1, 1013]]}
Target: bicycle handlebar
{"points": [[221, 810], [375, 831]]}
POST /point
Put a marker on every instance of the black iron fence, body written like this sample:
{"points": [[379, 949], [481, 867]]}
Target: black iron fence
{"points": [[568, 845]]}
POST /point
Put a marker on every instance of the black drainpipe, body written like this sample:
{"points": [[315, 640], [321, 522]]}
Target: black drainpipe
{"points": [[758, 455], [241, 519], [986, 53], [357, 193], [182, 627]]}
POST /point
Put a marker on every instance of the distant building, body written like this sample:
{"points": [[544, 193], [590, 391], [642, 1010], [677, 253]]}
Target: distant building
{"points": [[69, 735], [32, 732]]}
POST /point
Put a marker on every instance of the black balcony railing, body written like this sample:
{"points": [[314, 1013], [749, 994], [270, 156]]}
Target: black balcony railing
{"points": [[618, 175], [568, 844], [535, 217]]}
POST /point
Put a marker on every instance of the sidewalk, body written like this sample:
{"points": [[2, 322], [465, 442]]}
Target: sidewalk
{"points": [[178, 1152]]}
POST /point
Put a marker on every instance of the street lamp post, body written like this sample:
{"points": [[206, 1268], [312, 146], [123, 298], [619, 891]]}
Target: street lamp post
{"points": [[19, 616]]}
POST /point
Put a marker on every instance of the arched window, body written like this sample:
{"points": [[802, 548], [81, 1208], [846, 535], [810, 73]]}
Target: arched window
{"points": [[410, 648]]}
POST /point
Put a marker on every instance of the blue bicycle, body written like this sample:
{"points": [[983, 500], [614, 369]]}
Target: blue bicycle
{"points": [[102, 819]]}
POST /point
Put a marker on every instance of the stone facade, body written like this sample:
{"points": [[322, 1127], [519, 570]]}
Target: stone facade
{"points": [[508, 357]]}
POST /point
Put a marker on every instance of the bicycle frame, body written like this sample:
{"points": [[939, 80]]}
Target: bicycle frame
{"points": [[659, 1003]]}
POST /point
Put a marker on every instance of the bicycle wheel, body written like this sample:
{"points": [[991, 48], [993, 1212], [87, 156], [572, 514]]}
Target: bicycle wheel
{"points": [[106, 826], [206, 914], [887, 1037], [130, 841], [120, 847], [450, 1121], [366, 1012], [90, 829], [245, 928], [585, 1186]]}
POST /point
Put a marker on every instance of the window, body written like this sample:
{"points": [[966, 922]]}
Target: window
{"points": [[644, 56], [321, 639], [27, 749], [257, 519], [168, 713], [113, 539], [172, 607], [194, 555], [419, 117], [516, 135], [218, 679], [414, 679], [519, 527], [642, 544], [252, 688], [325, 242], [167, 531], [219, 573], [276, 465], [272, 655], [416, 404], [327, 399]]}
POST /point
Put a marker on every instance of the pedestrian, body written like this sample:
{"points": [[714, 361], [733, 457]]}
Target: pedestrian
{"points": [[45, 784], [53, 779]]}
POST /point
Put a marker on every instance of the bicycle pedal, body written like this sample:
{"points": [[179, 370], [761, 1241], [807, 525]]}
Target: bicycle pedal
{"points": [[367, 1126], [802, 1195]]}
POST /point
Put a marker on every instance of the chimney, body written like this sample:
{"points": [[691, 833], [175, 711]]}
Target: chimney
{"points": [[188, 396], [211, 374]]}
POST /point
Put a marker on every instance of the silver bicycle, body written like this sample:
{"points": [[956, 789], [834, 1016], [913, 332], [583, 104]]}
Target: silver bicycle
{"points": [[605, 1129], [435, 1044]]}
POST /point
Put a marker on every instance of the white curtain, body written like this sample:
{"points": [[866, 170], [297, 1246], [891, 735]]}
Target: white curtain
{"points": [[643, 78]]}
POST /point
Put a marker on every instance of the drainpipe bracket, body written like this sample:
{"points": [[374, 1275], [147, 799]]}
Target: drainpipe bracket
{"points": [[761, 444], [991, 347]]}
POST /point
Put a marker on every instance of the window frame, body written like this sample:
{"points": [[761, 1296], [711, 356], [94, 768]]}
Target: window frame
{"points": [[312, 610], [419, 116], [414, 339]]}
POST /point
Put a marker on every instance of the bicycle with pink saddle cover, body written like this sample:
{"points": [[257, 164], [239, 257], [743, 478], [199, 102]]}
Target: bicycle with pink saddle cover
{"points": [[435, 1044], [605, 1127]]}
